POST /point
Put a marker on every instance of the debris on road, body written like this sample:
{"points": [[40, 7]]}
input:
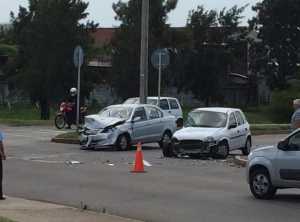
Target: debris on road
{"points": [[146, 163], [73, 162]]}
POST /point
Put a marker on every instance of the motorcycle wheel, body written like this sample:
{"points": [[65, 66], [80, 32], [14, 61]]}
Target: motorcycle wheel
{"points": [[60, 121]]}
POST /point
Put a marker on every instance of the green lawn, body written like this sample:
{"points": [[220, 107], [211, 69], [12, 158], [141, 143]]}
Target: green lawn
{"points": [[30, 115], [22, 115], [2, 219]]}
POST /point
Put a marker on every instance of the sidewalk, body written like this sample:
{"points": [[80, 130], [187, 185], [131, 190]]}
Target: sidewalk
{"points": [[22, 210]]}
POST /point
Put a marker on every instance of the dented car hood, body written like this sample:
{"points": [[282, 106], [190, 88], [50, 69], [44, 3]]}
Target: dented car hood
{"points": [[97, 122]]}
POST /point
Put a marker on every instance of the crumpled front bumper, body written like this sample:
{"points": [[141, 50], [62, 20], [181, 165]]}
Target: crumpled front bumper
{"points": [[194, 147], [99, 140]]}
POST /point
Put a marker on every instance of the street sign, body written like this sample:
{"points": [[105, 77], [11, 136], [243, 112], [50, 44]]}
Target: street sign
{"points": [[78, 56], [160, 58]]}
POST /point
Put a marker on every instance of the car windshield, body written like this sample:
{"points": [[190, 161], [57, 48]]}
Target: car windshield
{"points": [[131, 101], [152, 101], [136, 101], [116, 112], [206, 119]]}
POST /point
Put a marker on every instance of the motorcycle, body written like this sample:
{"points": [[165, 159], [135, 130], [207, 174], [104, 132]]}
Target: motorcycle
{"points": [[61, 116]]}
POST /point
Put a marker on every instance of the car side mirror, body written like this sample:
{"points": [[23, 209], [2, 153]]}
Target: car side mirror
{"points": [[136, 119], [232, 126], [283, 145]]}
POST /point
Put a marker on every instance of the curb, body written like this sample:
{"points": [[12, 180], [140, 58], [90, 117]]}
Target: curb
{"points": [[19, 209], [238, 160], [65, 141]]}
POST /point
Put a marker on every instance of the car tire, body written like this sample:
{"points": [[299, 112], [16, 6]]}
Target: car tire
{"points": [[221, 151], [166, 145], [123, 143], [247, 149], [260, 185]]}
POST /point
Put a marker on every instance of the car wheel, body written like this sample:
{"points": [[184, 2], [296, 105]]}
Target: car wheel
{"points": [[166, 145], [247, 149], [123, 143], [222, 150], [260, 185]]}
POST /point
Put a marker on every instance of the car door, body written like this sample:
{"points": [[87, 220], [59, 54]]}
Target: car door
{"points": [[140, 126], [233, 132], [175, 108], [242, 129], [288, 162], [155, 123]]}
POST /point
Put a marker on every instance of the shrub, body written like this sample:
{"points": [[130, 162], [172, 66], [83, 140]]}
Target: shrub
{"points": [[281, 107]]}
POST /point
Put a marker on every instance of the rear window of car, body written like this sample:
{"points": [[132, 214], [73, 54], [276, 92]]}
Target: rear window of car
{"points": [[174, 104], [163, 104]]}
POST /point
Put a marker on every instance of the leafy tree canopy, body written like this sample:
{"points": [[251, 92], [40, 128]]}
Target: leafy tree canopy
{"points": [[47, 33], [126, 45], [278, 23]]}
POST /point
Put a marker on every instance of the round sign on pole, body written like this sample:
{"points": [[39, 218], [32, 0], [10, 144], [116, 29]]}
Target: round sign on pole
{"points": [[78, 56], [160, 57]]}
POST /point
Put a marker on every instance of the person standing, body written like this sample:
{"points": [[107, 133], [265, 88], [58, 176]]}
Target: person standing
{"points": [[295, 121], [2, 157]]}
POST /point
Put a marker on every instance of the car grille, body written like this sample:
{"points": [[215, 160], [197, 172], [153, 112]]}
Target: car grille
{"points": [[191, 144], [90, 132]]}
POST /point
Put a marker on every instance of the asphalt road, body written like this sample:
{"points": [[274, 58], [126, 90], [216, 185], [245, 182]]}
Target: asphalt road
{"points": [[172, 189]]}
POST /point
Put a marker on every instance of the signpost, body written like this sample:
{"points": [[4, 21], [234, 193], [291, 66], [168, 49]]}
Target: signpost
{"points": [[78, 62], [160, 59]]}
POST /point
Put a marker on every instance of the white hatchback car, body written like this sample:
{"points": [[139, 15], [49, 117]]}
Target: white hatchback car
{"points": [[212, 131], [275, 167]]}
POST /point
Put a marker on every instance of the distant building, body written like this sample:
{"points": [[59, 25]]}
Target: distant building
{"points": [[102, 37]]}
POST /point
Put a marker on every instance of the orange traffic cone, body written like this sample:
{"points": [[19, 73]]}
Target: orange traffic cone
{"points": [[139, 162]]}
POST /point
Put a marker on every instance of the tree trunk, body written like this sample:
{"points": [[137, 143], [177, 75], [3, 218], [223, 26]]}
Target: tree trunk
{"points": [[45, 109]]}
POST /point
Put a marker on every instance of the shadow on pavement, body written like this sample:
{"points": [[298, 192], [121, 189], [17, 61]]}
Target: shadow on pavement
{"points": [[288, 198]]}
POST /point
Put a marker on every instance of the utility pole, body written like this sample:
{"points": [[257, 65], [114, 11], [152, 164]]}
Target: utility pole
{"points": [[144, 52]]}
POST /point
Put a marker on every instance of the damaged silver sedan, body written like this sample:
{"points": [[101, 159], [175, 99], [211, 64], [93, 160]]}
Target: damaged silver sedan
{"points": [[123, 125]]}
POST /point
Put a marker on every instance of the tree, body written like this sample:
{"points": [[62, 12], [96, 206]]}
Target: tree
{"points": [[278, 23], [126, 45], [47, 34], [209, 57]]}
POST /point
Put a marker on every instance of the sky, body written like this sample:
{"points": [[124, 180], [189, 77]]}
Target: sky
{"points": [[101, 11]]}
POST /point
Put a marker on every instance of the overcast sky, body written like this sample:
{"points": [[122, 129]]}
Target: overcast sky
{"points": [[101, 10]]}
